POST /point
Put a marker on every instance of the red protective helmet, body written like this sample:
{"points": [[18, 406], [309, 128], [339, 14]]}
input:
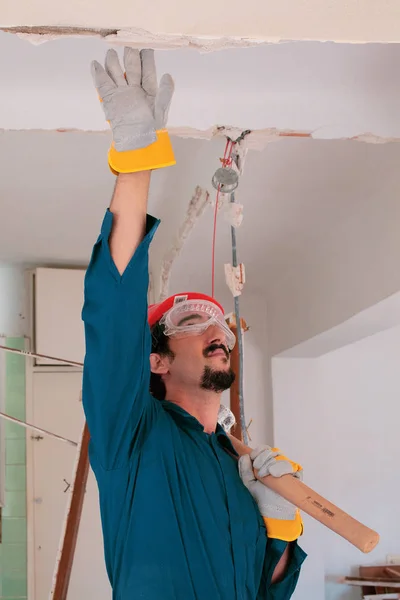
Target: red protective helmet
{"points": [[156, 311]]}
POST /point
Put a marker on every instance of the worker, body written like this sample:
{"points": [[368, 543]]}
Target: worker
{"points": [[181, 519]]}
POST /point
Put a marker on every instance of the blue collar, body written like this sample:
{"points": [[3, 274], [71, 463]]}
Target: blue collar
{"points": [[188, 421]]}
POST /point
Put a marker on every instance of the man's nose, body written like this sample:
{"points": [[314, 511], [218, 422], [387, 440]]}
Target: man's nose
{"points": [[215, 335]]}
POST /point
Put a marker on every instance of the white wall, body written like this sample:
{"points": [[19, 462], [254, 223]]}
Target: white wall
{"points": [[352, 267], [338, 415], [257, 371], [13, 313]]}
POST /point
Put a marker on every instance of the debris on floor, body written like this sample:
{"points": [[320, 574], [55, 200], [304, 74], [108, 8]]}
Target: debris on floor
{"points": [[377, 582]]}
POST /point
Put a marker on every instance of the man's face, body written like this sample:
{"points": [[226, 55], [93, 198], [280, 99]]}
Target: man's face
{"points": [[201, 360]]}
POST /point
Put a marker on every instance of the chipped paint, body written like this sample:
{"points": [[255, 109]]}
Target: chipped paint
{"points": [[370, 138], [233, 214], [59, 31], [235, 278], [41, 35], [140, 38], [136, 37], [256, 140]]}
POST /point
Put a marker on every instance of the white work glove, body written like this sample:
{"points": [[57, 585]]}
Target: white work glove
{"points": [[135, 106], [268, 461]]}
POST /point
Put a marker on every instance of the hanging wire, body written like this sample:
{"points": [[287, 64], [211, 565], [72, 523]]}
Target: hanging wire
{"points": [[226, 162], [35, 428], [25, 424], [239, 337], [37, 355]]}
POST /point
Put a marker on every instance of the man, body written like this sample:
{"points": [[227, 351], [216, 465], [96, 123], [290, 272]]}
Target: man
{"points": [[178, 521]]}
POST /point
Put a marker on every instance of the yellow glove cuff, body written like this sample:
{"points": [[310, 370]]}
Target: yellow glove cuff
{"points": [[156, 156], [288, 531], [296, 467]]}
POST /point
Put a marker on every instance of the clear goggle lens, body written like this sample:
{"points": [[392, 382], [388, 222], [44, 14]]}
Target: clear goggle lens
{"points": [[193, 318]]}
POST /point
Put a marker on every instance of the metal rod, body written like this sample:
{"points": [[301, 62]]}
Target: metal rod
{"points": [[35, 428], [239, 337], [24, 423], [36, 355], [234, 389]]}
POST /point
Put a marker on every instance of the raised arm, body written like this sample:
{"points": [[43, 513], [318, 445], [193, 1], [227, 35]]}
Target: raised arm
{"points": [[129, 207], [116, 399], [137, 110]]}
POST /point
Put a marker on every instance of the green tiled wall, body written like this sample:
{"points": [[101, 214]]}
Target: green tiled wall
{"points": [[13, 549]]}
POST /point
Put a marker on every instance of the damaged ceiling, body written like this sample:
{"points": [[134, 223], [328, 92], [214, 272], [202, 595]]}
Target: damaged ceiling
{"points": [[327, 91], [208, 24], [333, 108]]}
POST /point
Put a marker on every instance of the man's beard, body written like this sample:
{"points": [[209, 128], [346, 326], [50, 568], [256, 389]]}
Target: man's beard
{"points": [[217, 381]]}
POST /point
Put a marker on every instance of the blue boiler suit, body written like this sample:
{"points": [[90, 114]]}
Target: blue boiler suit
{"points": [[178, 523]]}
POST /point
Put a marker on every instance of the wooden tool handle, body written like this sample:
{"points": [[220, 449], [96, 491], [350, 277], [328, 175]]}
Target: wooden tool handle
{"points": [[316, 506]]}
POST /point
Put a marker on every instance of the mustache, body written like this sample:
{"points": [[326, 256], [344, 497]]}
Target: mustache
{"points": [[214, 347]]}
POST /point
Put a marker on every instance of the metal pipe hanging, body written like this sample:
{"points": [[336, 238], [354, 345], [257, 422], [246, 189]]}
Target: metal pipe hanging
{"points": [[239, 336]]}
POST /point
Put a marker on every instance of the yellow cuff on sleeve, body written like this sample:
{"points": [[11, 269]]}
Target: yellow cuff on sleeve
{"points": [[288, 531], [156, 156], [296, 467]]}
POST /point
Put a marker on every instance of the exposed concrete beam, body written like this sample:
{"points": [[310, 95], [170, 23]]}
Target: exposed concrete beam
{"points": [[239, 23]]}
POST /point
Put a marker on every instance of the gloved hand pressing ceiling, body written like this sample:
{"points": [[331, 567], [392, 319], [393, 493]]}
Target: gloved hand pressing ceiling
{"points": [[137, 110], [282, 519]]}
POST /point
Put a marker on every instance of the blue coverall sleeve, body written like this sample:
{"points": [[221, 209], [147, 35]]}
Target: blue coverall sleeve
{"points": [[283, 589], [118, 406]]}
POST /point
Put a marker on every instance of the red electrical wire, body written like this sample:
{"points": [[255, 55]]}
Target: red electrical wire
{"points": [[226, 162]]}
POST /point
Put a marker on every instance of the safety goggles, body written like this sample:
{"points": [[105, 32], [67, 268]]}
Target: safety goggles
{"points": [[194, 317]]}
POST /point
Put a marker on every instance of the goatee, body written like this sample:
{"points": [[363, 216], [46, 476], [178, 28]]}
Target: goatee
{"points": [[217, 381]]}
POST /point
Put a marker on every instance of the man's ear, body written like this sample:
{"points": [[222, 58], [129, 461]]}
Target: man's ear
{"points": [[159, 364]]}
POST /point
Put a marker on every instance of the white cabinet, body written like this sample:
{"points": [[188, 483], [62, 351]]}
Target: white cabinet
{"points": [[57, 301], [56, 309], [56, 406]]}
